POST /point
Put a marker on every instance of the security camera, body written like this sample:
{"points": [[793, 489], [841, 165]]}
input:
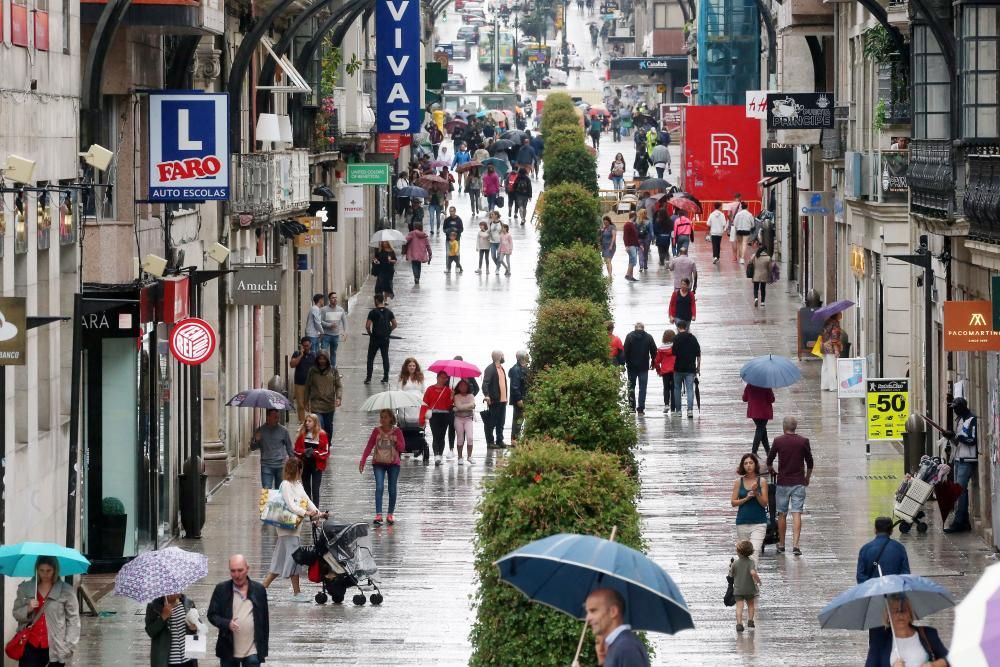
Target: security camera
{"points": [[219, 253], [154, 265], [98, 157], [19, 169]]}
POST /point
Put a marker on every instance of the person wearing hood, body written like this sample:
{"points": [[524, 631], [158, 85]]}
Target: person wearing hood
{"points": [[521, 193], [641, 163], [417, 249], [965, 438], [324, 392]]}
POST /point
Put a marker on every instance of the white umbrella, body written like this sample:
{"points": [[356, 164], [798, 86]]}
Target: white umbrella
{"points": [[391, 235], [390, 400], [977, 628]]}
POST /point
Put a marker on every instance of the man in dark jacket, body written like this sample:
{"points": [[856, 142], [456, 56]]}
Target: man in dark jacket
{"points": [[605, 609], [518, 390], [495, 392], [640, 352], [883, 555], [239, 610], [538, 143]]}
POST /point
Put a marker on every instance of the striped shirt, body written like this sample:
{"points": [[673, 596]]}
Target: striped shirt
{"points": [[178, 630]]}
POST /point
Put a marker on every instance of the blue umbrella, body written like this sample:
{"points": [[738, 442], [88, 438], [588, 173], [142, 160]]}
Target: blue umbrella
{"points": [[863, 606], [501, 166], [561, 571], [821, 314], [770, 371], [18, 560], [261, 398], [412, 191]]}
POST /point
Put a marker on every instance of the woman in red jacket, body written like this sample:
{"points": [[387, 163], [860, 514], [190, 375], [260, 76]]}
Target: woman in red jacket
{"points": [[664, 365], [313, 449], [759, 401], [438, 401]]}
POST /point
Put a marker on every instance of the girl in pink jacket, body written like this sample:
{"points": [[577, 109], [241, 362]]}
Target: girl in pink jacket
{"points": [[491, 187], [506, 248]]}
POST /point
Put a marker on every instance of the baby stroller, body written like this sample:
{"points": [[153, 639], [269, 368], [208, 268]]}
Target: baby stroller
{"points": [[341, 558]]}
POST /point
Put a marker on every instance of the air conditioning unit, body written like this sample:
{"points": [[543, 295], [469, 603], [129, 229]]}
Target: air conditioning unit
{"points": [[857, 175]]}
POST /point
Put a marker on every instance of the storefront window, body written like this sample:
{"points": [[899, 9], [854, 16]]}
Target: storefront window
{"points": [[979, 72], [119, 426], [931, 87]]}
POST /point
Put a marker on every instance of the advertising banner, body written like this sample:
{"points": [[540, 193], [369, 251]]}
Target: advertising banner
{"points": [[888, 403], [851, 378], [188, 146], [799, 111], [815, 202], [13, 329], [721, 153], [397, 69], [756, 104], [777, 161], [353, 200], [367, 173], [968, 327], [257, 286]]}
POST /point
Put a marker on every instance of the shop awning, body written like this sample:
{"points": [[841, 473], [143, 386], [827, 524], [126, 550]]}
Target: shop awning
{"points": [[771, 181]]}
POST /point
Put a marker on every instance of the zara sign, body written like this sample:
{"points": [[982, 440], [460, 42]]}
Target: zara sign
{"points": [[397, 32], [188, 146]]}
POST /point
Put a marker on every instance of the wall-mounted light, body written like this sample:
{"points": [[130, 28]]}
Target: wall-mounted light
{"points": [[219, 253], [154, 265], [285, 129], [267, 128], [98, 157], [19, 169]]}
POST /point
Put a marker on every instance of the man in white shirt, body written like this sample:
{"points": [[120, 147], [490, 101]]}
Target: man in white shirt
{"points": [[717, 229], [744, 225], [334, 326]]}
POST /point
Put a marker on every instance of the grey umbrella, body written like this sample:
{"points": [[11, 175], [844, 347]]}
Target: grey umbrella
{"points": [[261, 398]]}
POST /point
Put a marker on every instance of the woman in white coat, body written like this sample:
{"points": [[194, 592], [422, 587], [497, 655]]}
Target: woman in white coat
{"points": [[297, 501]]}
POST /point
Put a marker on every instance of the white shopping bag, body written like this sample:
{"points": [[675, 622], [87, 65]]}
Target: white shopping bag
{"points": [[196, 646]]}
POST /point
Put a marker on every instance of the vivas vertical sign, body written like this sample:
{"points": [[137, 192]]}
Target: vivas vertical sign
{"points": [[397, 30], [188, 146]]}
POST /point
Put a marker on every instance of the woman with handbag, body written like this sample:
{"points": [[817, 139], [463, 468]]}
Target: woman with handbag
{"points": [[297, 502], [313, 449], [48, 619], [750, 498], [384, 446], [901, 644], [168, 623]]}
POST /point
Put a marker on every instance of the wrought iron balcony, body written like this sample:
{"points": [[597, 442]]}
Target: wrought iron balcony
{"points": [[932, 178], [981, 203], [272, 183]]}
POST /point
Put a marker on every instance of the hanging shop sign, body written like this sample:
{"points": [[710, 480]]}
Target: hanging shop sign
{"points": [[397, 69], [815, 202], [192, 341], [13, 326], [188, 146], [257, 286], [888, 401], [799, 111], [175, 305], [389, 143], [851, 378], [368, 173], [756, 104], [352, 198], [657, 64], [326, 212], [968, 327], [893, 172], [777, 161]]}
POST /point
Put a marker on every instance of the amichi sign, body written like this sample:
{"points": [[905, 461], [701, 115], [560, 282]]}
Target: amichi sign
{"points": [[257, 286], [368, 174]]}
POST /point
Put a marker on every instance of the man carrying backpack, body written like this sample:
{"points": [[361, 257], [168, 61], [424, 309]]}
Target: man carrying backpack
{"points": [[521, 194], [379, 325]]}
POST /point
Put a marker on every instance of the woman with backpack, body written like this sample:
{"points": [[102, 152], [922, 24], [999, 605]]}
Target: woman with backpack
{"points": [[384, 446], [645, 240], [509, 184]]}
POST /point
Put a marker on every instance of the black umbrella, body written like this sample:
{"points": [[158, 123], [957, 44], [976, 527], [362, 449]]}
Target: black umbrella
{"points": [[689, 197], [501, 145], [697, 393], [513, 135], [654, 184]]}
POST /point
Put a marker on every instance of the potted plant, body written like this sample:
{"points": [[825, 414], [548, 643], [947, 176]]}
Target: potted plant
{"points": [[111, 533]]}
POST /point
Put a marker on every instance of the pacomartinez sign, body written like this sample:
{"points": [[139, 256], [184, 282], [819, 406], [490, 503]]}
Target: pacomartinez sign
{"points": [[257, 286]]}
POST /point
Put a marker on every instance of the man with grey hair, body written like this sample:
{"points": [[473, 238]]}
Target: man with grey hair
{"points": [[640, 352], [795, 466], [518, 390], [495, 394]]}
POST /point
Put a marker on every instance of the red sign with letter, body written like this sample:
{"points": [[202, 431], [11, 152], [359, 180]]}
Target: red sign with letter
{"points": [[175, 299], [720, 155], [389, 143], [192, 341]]}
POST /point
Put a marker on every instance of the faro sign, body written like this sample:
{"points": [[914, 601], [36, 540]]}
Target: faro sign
{"points": [[397, 30], [188, 146]]}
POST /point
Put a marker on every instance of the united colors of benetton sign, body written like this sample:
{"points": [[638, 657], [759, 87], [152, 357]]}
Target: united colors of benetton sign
{"points": [[188, 146], [397, 31]]}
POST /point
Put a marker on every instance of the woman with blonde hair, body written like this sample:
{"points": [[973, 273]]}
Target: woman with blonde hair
{"points": [[47, 605], [900, 643], [297, 501], [312, 446]]}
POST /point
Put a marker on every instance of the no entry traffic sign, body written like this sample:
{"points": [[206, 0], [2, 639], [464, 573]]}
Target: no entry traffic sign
{"points": [[192, 341]]}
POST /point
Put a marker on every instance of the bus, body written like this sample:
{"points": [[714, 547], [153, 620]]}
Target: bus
{"points": [[506, 51]]}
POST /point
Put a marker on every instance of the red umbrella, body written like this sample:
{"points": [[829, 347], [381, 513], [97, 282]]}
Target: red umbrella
{"points": [[455, 368], [685, 204], [455, 122], [468, 166], [433, 183]]}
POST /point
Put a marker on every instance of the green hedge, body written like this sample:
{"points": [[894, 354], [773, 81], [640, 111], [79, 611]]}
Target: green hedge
{"points": [[582, 405], [573, 272], [571, 164], [570, 331], [559, 101], [569, 214], [563, 136], [546, 487], [553, 118]]}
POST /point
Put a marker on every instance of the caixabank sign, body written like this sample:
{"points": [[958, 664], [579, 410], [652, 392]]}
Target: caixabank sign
{"points": [[188, 146]]}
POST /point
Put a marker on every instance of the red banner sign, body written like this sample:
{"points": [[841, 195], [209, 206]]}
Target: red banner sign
{"points": [[175, 299], [389, 143], [721, 153]]}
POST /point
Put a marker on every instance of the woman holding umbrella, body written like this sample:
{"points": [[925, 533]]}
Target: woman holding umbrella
{"points": [[759, 402], [167, 624], [899, 643], [831, 351], [438, 401], [384, 264], [46, 606], [384, 446]]}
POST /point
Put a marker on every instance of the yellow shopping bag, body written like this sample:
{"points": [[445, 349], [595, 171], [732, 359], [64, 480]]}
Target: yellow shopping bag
{"points": [[818, 347]]}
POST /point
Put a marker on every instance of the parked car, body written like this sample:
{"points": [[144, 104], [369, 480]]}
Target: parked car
{"points": [[460, 50], [476, 17], [455, 82], [468, 34]]}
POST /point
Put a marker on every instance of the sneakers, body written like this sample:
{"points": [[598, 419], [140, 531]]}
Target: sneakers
{"points": [[640, 411], [391, 520], [437, 460], [301, 597], [666, 410], [762, 304], [451, 454], [690, 414], [739, 627], [479, 270], [378, 520], [742, 261], [385, 380], [461, 461], [796, 551], [715, 261], [780, 548], [468, 460], [756, 302]]}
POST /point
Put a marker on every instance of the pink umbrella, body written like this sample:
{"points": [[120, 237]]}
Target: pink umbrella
{"points": [[455, 368]]}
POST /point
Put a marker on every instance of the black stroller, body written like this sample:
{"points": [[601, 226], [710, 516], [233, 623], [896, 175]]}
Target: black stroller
{"points": [[341, 558]]}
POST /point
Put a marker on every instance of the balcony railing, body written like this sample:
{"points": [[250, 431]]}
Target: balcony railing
{"points": [[981, 204], [267, 184], [932, 178]]}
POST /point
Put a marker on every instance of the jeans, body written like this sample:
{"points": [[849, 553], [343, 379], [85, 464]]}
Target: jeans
{"points": [[660, 170], [380, 472], [633, 255], [311, 480], [416, 266], [474, 201], [249, 661], [439, 429], [330, 342], [965, 471], [687, 379], [377, 344], [326, 423], [644, 254], [491, 202], [716, 246], [521, 208], [618, 182], [683, 241], [668, 390], [498, 419], [518, 423], [760, 288], [270, 476], [495, 254], [484, 255], [435, 217], [315, 341], [643, 377], [760, 436]]}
